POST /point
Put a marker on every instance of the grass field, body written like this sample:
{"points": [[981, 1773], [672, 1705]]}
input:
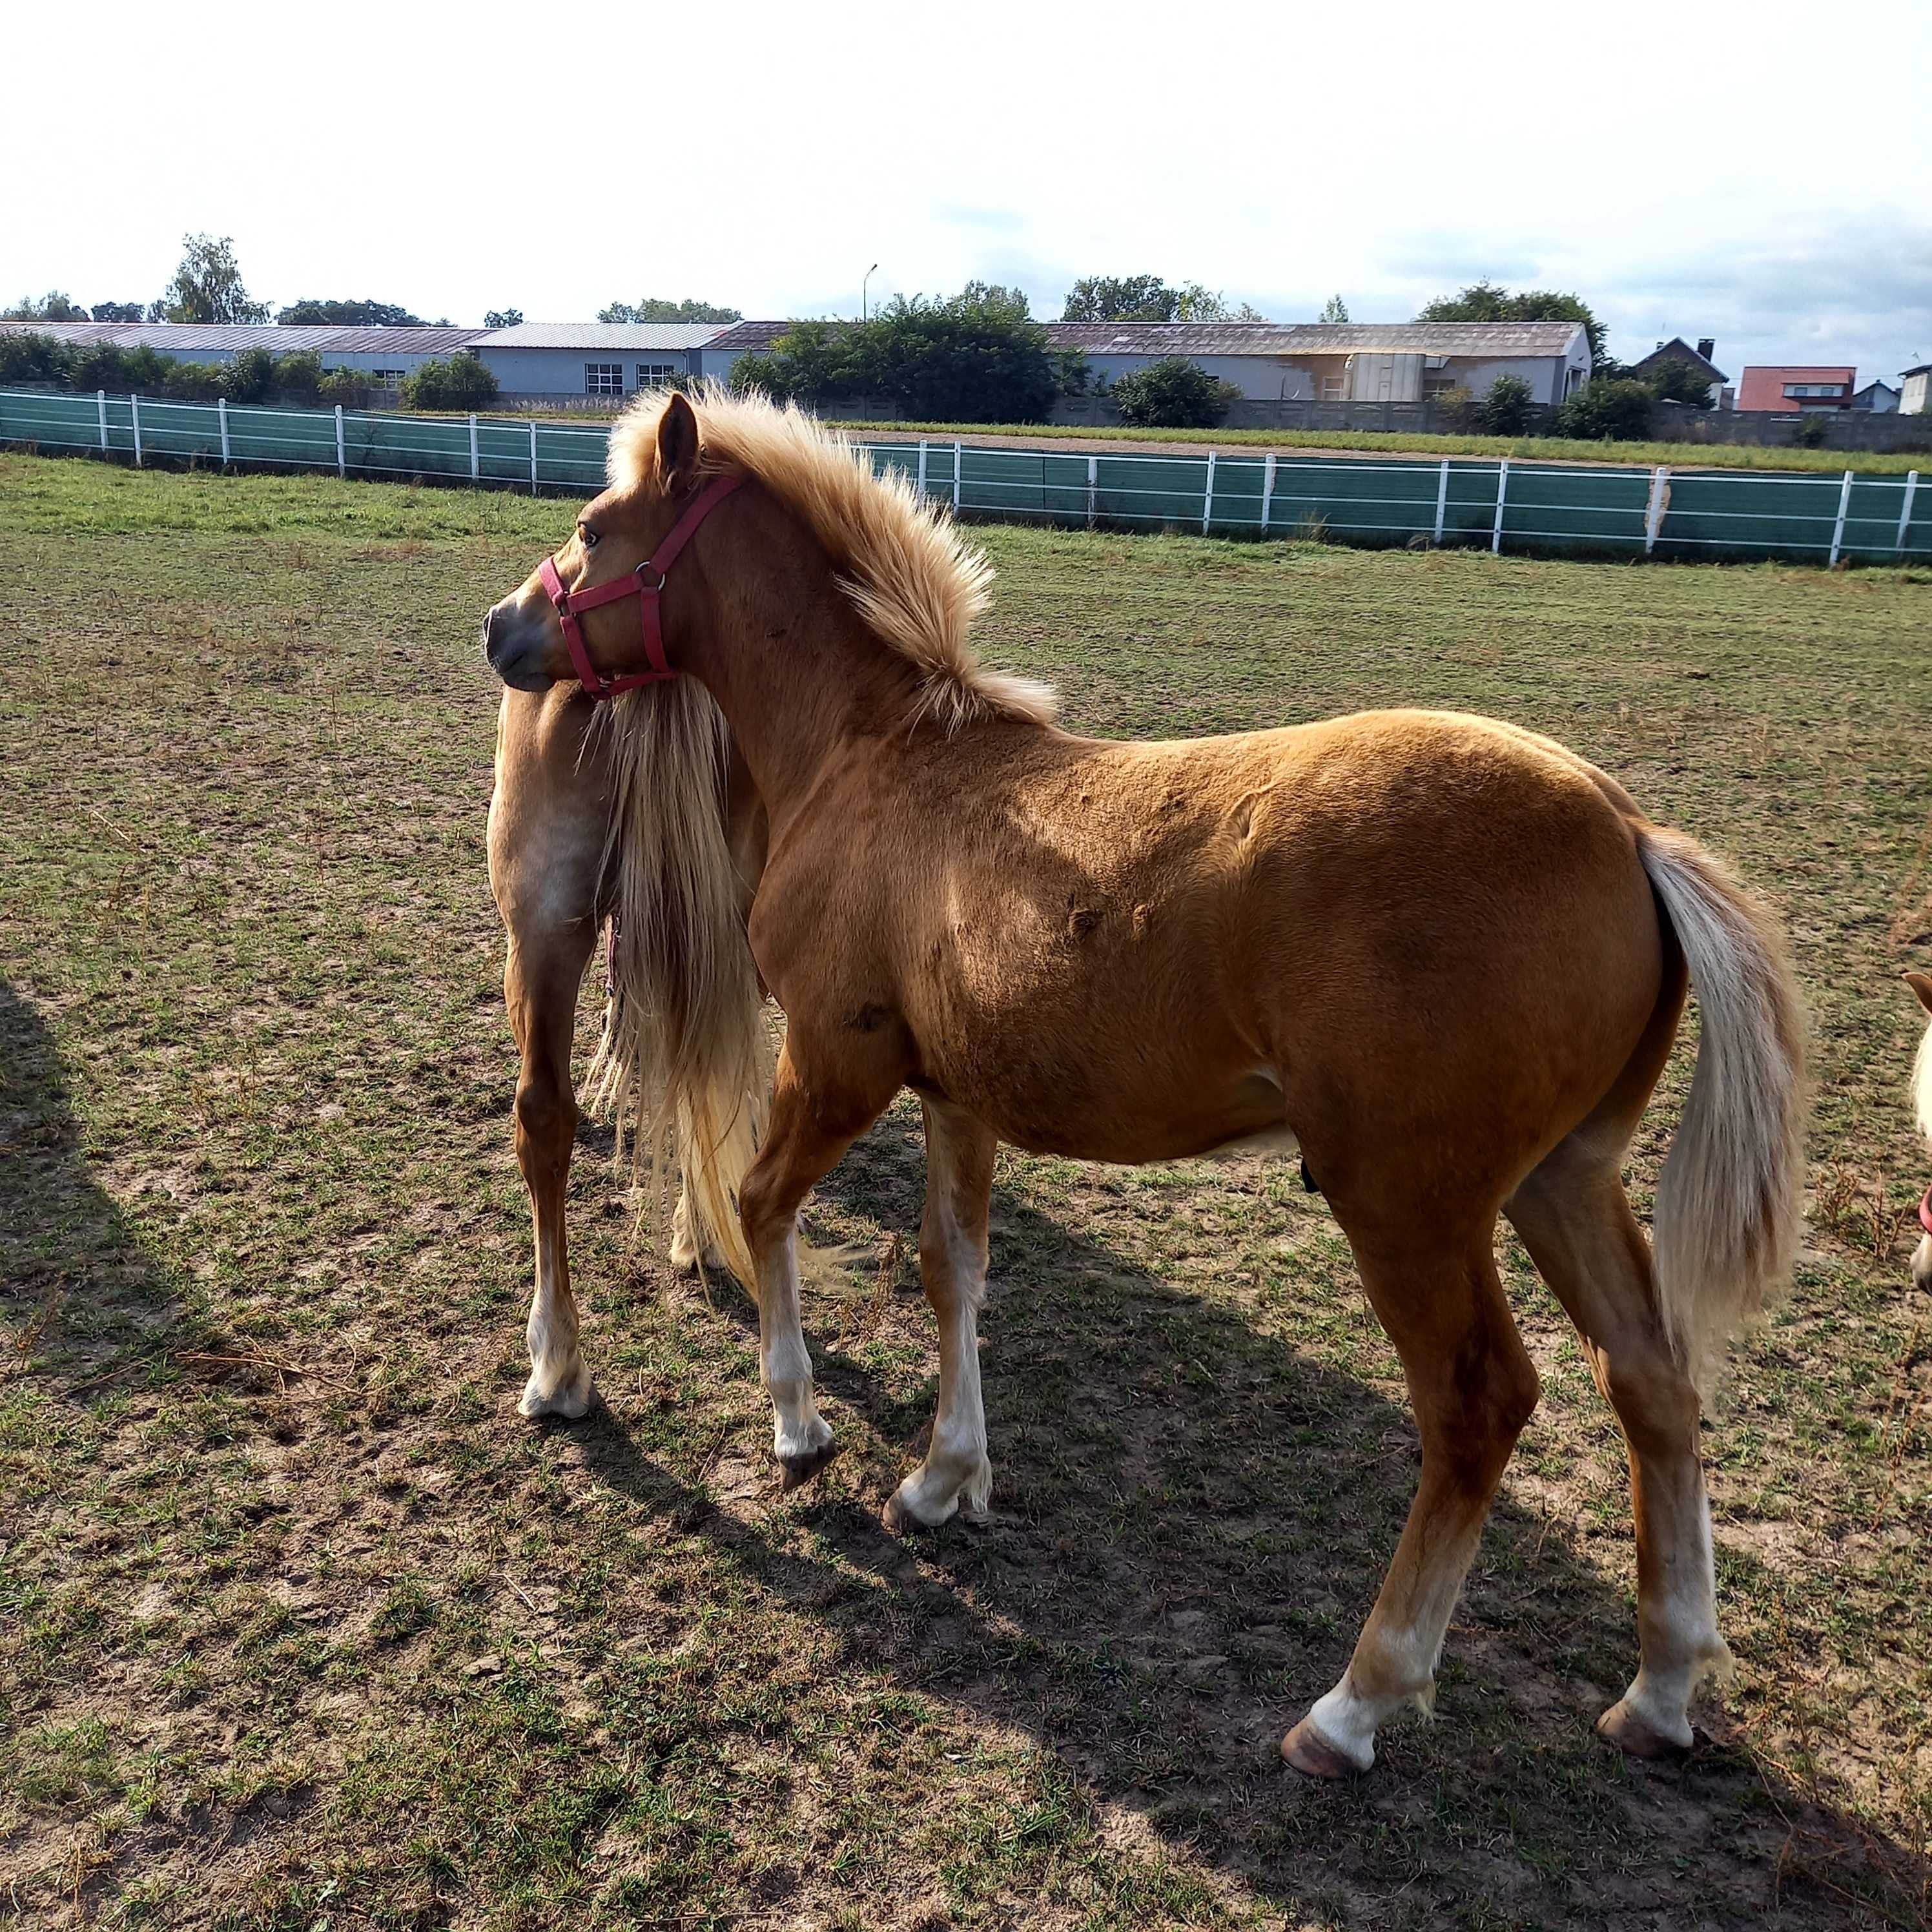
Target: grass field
{"points": [[301, 1628], [1525, 449]]}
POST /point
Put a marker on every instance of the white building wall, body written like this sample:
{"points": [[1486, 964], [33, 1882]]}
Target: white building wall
{"points": [[559, 372], [1915, 399]]}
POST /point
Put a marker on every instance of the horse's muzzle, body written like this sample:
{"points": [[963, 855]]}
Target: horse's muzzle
{"points": [[509, 655]]}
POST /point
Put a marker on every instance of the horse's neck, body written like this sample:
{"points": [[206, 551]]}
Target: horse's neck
{"points": [[798, 676]]}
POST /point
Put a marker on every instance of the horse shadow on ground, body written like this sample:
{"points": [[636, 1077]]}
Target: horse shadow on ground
{"points": [[81, 1298], [1190, 1521]]}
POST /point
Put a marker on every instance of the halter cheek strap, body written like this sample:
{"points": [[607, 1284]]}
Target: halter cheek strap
{"points": [[646, 584], [1925, 1212]]}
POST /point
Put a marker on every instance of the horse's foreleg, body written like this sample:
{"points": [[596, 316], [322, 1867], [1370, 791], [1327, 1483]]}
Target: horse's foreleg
{"points": [[956, 1473], [808, 1131], [540, 986], [1474, 1386]]}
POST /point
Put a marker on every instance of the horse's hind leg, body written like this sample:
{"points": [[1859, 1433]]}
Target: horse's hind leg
{"points": [[1576, 1223], [1474, 1386], [952, 1263]]}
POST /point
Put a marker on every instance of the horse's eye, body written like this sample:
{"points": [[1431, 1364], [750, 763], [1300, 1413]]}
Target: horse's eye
{"points": [[588, 535]]}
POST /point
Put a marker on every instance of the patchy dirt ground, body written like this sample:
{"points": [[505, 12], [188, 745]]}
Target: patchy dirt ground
{"points": [[301, 1627]]}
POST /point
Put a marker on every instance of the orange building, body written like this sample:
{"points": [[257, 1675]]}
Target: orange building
{"points": [[1801, 386]]}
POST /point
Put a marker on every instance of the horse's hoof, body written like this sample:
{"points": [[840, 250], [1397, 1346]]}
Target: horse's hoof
{"points": [[1637, 1737], [1309, 1752], [800, 1465], [570, 1401]]}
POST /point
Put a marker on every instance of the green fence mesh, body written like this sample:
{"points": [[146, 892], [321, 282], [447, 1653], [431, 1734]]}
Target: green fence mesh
{"points": [[1571, 508]]}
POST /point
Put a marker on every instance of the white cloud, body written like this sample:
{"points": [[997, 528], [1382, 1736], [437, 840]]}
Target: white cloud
{"points": [[1731, 181]]}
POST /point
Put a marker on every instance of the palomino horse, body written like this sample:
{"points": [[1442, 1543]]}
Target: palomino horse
{"points": [[576, 836], [1922, 1095], [1447, 957]]}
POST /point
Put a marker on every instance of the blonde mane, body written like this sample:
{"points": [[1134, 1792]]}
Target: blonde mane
{"points": [[684, 1066], [901, 562]]}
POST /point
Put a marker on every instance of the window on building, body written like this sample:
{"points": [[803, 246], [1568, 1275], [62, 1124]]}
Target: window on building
{"points": [[656, 375], [1334, 388], [603, 379], [386, 379], [1814, 389]]}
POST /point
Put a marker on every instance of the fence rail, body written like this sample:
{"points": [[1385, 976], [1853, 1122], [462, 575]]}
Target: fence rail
{"points": [[1498, 503]]}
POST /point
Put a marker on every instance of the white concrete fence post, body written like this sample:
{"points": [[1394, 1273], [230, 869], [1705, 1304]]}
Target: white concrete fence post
{"points": [[341, 448], [221, 412], [1838, 528], [100, 403], [1092, 490], [1654, 508], [475, 472], [134, 417], [959, 473], [1502, 492], [533, 456], [1267, 492], [924, 451], [1442, 502], [1904, 510], [1207, 496]]}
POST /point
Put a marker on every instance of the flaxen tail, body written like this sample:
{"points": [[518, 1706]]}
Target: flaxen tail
{"points": [[1728, 1199]]}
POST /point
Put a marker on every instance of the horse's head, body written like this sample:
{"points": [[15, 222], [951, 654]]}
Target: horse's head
{"points": [[1921, 1089], [591, 610]]}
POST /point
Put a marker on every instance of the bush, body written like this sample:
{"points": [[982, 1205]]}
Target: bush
{"points": [[1506, 409], [1813, 430], [1172, 393], [298, 376], [351, 388], [250, 377], [32, 359], [193, 382], [1615, 409], [1452, 405], [460, 383]]}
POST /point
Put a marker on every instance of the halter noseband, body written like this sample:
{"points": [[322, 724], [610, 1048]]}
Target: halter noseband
{"points": [[569, 603]]}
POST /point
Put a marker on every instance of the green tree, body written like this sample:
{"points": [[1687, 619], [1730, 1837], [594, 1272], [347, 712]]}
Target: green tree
{"points": [[312, 313], [656, 308], [1334, 310], [1148, 298], [207, 286], [503, 318], [975, 357], [1172, 393], [1490, 302], [117, 311], [51, 307], [1674, 381]]}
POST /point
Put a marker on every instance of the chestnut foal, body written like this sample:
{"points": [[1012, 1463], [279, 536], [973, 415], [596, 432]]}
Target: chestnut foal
{"points": [[1447, 957]]}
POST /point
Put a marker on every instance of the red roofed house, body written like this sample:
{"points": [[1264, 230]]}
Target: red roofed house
{"points": [[1802, 386]]}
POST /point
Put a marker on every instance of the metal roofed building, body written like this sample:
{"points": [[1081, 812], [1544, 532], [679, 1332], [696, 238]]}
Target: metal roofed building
{"points": [[1375, 362], [549, 361], [385, 355], [1358, 361]]}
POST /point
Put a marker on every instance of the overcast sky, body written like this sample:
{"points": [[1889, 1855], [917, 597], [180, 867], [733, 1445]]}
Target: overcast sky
{"points": [[1759, 173]]}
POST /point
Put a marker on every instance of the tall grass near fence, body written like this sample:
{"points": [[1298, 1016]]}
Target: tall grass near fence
{"points": [[1652, 512]]}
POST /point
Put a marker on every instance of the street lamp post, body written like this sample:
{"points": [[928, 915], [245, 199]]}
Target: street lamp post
{"points": [[862, 280]]}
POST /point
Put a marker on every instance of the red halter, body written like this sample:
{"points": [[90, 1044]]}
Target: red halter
{"points": [[1925, 1212], [596, 683]]}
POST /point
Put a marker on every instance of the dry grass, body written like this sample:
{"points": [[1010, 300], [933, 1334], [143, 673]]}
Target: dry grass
{"points": [[300, 1626]]}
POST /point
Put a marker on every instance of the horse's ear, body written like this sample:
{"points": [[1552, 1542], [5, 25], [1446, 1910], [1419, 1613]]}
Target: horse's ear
{"points": [[1920, 984], [677, 444]]}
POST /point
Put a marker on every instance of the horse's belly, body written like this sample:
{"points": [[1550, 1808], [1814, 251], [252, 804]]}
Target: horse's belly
{"points": [[1125, 1114]]}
